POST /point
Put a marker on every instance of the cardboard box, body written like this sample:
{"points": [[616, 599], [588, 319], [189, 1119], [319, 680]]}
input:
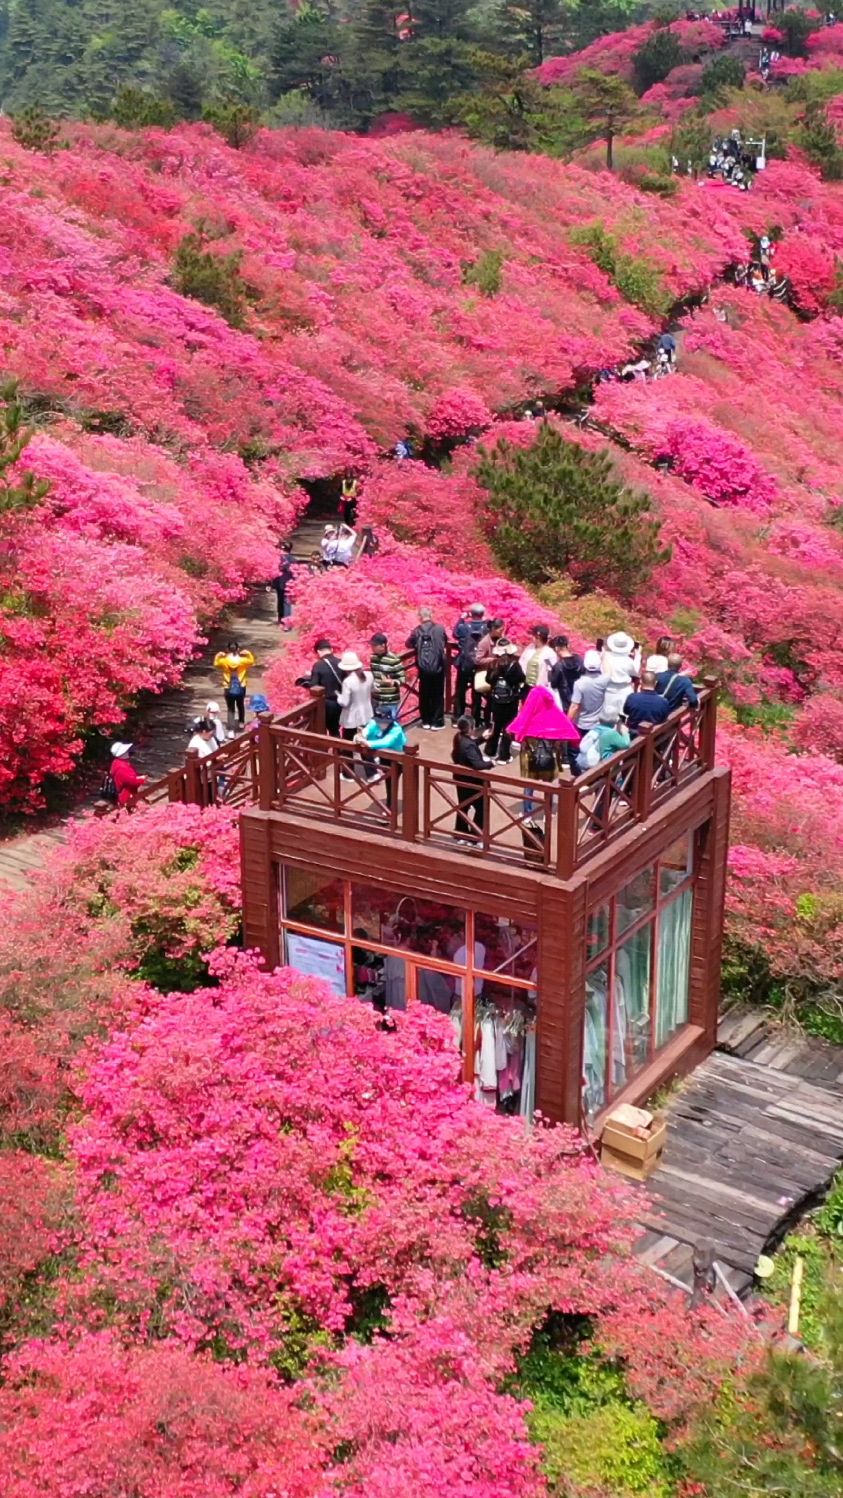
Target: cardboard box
{"points": [[633, 1147]]}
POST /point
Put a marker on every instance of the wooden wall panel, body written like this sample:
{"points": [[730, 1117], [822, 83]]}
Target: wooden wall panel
{"points": [[707, 932], [260, 898], [411, 868], [562, 917]]}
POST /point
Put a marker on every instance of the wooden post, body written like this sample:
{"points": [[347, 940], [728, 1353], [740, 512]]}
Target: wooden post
{"points": [[646, 765], [410, 794], [317, 696], [193, 779], [708, 732], [267, 782], [175, 785], [566, 829]]}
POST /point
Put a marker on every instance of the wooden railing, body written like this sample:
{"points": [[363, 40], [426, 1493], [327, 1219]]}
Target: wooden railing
{"points": [[558, 826], [232, 773], [288, 763]]}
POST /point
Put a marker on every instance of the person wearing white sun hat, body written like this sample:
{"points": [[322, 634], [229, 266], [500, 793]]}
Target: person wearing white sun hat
{"points": [[127, 782], [621, 663], [355, 697]]}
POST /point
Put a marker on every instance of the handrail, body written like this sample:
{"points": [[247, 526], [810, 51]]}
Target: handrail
{"points": [[289, 763]]}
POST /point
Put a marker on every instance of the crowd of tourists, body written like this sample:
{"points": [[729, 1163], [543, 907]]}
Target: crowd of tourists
{"points": [[541, 702], [734, 160]]}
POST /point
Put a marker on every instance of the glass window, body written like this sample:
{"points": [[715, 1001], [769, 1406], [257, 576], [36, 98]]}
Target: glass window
{"points": [[426, 927], [595, 1040], [509, 946], [313, 899], [674, 966], [631, 1047], [636, 899], [317, 958], [597, 932], [675, 864], [436, 989]]}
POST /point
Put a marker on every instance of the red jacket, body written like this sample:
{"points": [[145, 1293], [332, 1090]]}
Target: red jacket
{"points": [[126, 779]]}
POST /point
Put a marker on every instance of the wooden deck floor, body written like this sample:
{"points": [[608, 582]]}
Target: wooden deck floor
{"points": [[753, 1141]]}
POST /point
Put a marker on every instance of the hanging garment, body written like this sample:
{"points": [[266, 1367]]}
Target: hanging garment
{"points": [[528, 1077]]}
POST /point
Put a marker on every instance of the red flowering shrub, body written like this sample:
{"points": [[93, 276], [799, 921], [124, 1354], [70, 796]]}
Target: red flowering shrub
{"points": [[151, 900], [457, 413], [99, 1419]]}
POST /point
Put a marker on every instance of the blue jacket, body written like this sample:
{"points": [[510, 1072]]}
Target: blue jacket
{"points": [[681, 689], [393, 738]]}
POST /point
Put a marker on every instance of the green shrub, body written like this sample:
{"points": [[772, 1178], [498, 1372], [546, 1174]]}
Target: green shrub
{"points": [[486, 272], [818, 139], [636, 279], [211, 278], [616, 1449], [723, 73], [236, 122], [136, 109], [660, 54], [35, 131]]}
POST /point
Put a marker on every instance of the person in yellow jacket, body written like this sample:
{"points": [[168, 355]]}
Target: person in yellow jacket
{"points": [[234, 662]]}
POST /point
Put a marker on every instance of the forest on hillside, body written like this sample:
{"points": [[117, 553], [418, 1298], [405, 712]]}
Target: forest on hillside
{"points": [[314, 63]]}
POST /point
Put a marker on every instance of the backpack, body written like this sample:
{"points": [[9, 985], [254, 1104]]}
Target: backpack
{"points": [[429, 652], [503, 690], [544, 758], [468, 644], [590, 748], [235, 686], [108, 790]]}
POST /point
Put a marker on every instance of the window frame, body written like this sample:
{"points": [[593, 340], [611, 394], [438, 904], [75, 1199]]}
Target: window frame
{"points": [[617, 938]]}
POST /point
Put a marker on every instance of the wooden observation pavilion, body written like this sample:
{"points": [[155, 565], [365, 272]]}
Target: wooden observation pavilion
{"points": [[575, 944]]}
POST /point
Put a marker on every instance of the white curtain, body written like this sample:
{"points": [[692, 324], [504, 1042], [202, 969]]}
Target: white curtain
{"points": [[674, 966]]}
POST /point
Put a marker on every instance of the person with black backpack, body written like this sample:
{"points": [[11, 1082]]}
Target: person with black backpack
{"points": [[506, 679], [430, 643], [468, 632]]}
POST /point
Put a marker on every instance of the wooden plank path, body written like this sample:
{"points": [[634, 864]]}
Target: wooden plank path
{"points": [[752, 1143], [158, 724]]}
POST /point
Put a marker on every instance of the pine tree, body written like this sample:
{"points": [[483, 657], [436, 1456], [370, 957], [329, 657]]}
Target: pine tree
{"points": [[606, 103], [818, 139], [533, 28], [556, 508], [21, 491], [660, 54], [35, 131], [211, 278], [237, 123]]}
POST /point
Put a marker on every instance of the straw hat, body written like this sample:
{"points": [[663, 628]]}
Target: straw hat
{"points": [[350, 661], [119, 750]]}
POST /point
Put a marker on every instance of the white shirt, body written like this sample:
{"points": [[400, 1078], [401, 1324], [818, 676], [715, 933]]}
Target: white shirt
{"points": [[355, 701], [547, 660], [345, 548], [479, 960], [203, 746]]}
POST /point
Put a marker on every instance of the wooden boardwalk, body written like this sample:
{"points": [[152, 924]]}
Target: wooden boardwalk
{"points": [[753, 1141], [158, 725]]}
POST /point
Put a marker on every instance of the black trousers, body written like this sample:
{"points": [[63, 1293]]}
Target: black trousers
{"points": [[462, 826], [332, 717], [465, 684], [236, 703], [432, 698], [500, 744]]}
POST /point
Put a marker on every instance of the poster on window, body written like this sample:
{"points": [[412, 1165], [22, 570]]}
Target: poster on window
{"points": [[318, 959]]}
